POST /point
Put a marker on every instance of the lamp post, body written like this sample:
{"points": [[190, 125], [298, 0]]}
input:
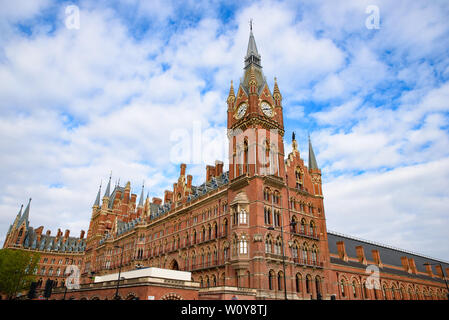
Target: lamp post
{"points": [[283, 254], [119, 271], [444, 277]]}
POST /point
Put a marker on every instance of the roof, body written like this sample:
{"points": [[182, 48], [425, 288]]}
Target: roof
{"points": [[388, 255]]}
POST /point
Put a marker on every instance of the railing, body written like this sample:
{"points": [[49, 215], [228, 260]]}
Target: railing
{"points": [[306, 233], [308, 262], [206, 265]]}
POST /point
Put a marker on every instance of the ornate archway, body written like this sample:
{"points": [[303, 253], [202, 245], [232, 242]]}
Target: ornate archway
{"points": [[174, 265], [171, 296]]}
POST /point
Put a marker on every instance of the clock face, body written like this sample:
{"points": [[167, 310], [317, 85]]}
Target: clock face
{"points": [[241, 110], [266, 109]]}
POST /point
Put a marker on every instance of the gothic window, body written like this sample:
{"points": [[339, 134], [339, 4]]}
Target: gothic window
{"points": [[304, 255], [243, 217], [308, 284], [342, 287], [365, 291], [354, 291], [303, 226], [268, 245], [266, 194], [279, 280], [295, 251], [270, 279], [277, 218], [298, 282], [267, 215], [384, 292], [243, 245]]}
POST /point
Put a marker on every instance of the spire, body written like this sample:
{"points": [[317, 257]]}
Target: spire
{"points": [[108, 187], [312, 160], [97, 200], [141, 197], [18, 216], [252, 55], [231, 90], [26, 214]]}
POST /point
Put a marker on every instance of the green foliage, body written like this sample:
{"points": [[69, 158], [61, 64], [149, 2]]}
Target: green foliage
{"points": [[16, 270]]}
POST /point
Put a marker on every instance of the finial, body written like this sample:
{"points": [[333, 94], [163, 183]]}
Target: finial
{"points": [[293, 136], [251, 24]]}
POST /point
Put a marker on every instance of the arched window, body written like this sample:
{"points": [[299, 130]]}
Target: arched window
{"points": [[268, 245], [298, 282], [279, 280], [342, 288], [243, 245], [308, 283], [318, 285], [270, 279], [267, 215], [354, 290], [305, 257], [243, 217], [365, 291], [303, 226], [384, 292]]}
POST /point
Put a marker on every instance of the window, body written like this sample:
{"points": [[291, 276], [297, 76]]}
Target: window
{"points": [[243, 217], [308, 283], [279, 280], [298, 283], [270, 279], [267, 215], [354, 292], [342, 287], [243, 246], [268, 246]]}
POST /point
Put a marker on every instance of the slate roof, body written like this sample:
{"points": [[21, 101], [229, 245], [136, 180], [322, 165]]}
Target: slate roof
{"points": [[388, 255]]}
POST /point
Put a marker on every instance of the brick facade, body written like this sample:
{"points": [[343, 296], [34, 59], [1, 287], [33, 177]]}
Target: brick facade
{"points": [[230, 232]]}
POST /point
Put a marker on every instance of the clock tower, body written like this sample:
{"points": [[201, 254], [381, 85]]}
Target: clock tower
{"points": [[255, 122]]}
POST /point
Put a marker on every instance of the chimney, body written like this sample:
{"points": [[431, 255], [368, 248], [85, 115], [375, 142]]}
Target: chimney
{"points": [[133, 198], [168, 196], [48, 233], [157, 201], [66, 234], [82, 234], [218, 168], [39, 232], [429, 270], [405, 264], [376, 257], [411, 263], [361, 254], [210, 172], [59, 233], [342, 250], [189, 181], [439, 271], [183, 169]]}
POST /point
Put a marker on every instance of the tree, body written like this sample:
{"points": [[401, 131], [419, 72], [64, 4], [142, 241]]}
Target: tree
{"points": [[17, 270]]}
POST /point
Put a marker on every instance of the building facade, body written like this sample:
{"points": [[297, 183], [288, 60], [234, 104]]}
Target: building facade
{"points": [[257, 229]]}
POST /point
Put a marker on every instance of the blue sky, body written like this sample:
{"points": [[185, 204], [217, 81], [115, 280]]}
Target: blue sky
{"points": [[119, 92]]}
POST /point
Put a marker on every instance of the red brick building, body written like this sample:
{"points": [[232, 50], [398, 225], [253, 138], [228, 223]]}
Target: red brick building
{"points": [[255, 229]]}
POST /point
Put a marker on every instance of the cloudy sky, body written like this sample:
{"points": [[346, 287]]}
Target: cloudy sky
{"points": [[129, 85]]}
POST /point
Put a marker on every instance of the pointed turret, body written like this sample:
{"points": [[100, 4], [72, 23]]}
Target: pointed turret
{"points": [[252, 55], [97, 200], [141, 197], [108, 188], [16, 221], [277, 93], [24, 218], [252, 65], [312, 160]]}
